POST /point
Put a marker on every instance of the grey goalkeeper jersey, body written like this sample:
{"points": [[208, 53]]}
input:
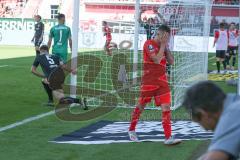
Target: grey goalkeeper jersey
{"points": [[227, 133]]}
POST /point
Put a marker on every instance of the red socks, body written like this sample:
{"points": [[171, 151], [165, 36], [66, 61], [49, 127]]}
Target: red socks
{"points": [[135, 117], [166, 123]]}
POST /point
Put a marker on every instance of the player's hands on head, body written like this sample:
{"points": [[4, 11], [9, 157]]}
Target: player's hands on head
{"points": [[163, 37]]}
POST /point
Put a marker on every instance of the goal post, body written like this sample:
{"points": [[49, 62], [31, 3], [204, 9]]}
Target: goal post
{"points": [[238, 52], [102, 77], [136, 38], [75, 39]]}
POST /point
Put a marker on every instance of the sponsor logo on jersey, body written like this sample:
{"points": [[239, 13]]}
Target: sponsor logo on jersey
{"points": [[150, 47]]}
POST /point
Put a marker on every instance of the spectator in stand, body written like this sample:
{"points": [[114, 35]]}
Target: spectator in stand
{"points": [[148, 26], [214, 21], [224, 22], [160, 19], [173, 20], [144, 19], [156, 21], [214, 24], [152, 24], [11, 8], [236, 2], [1, 9]]}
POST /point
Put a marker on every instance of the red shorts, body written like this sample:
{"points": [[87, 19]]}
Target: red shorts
{"points": [[161, 94], [108, 42]]}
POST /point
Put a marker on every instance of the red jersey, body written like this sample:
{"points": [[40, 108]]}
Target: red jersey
{"points": [[153, 73], [107, 32]]}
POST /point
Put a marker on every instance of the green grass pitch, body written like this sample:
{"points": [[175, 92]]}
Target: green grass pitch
{"points": [[22, 96]]}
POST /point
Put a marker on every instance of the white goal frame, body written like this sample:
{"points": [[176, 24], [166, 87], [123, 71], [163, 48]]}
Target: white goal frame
{"points": [[75, 31]]}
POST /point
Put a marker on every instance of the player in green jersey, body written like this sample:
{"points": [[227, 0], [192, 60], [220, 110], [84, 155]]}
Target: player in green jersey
{"points": [[61, 35]]}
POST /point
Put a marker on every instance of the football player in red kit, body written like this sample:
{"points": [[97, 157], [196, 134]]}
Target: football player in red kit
{"points": [[155, 83], [107, 32]]}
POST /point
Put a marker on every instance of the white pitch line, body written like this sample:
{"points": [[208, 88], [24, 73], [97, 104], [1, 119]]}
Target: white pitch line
{"points": [[14, 66], [211, 58], [30, 119], [4, 66], [26, 121]]}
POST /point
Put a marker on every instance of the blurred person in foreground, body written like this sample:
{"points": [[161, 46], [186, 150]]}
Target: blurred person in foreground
{"points": [[214, 110]]}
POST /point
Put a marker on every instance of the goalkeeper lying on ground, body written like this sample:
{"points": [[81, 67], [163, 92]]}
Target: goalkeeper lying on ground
{"points": [[53, 76]]}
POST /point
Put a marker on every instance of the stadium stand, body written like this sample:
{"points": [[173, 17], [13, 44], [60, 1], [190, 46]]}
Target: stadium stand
{"points": [[19, 8], [11, 8], [31, 8], [124, 1], [227, 2], [27, 8]]}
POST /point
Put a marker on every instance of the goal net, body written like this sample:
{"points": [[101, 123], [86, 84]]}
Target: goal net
{"points": [[114, 80]]}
